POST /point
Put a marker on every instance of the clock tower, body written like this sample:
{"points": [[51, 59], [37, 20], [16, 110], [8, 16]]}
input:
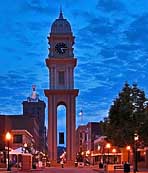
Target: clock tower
{"points": [[61, 64]]}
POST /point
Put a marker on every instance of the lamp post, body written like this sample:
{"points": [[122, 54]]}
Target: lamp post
{"points": [[92, 157], [114, 151], [136, 137], [108, 147], [98, 149], [8, 138], [128, 153]]}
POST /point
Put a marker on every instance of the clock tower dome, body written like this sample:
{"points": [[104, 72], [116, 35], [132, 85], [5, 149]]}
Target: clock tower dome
{"points": [[61, 64], [61, 38]]}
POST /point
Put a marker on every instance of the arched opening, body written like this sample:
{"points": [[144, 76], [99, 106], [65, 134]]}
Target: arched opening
{"points": [[61, 131]]}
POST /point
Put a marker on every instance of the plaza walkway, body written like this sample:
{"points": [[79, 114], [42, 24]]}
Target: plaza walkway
{"points": [[91, 169]]}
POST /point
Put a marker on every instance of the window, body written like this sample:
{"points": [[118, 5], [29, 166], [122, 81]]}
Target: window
{"points": [[17, 139], [85, 136], [61, 77], [80, 135]]}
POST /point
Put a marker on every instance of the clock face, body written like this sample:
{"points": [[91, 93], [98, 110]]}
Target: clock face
{"points": [[60, 48]]}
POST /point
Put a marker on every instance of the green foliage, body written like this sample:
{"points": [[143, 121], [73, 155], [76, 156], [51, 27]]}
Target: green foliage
{"points": [[127, 116]]}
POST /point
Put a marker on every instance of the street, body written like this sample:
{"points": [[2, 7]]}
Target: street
{"points": [[93, 169], [73, 170], [61, 170], [69, 170]]}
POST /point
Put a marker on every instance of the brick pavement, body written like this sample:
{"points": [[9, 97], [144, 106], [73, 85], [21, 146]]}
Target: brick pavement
{"points": [[42, 170]]}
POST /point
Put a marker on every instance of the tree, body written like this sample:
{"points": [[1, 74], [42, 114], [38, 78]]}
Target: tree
{"points": [[127, 116]]}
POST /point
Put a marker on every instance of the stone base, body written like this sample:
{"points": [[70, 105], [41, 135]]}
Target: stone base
{"points": [[54, 163], [70, 163]]}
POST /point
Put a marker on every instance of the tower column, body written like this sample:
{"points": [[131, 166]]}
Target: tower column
{"points": [[52, 129], [71, 128]]}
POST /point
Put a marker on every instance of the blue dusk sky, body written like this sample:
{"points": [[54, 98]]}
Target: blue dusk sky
{"points": [[111, 47]]}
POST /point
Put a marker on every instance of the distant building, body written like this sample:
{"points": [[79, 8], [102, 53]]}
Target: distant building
{"points": [[32, 120], [85, 136], [81, 139], [21, 137], [34, 107], [21, 122]]}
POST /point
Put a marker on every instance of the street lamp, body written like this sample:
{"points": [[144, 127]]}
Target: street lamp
{"points": [[114, 151], [136, 138], [87, 152], [8, 138], [128, 153], [25, 146], [81, 116], [108, 147]]}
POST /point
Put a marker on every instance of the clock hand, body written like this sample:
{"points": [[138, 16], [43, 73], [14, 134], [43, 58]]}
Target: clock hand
{"points": [[62, 49]]}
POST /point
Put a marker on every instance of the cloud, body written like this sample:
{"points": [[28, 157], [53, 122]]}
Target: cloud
{"points": [[38, 6], [96, 30], [111, 47], [137, 31], [15, 88], [110, 6]]}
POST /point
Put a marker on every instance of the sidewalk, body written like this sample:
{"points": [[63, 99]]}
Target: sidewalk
{"points": [[42, 170]]}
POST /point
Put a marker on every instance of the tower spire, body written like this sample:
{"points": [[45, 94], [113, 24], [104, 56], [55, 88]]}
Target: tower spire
{"points": [[61, 13], [34, 96]]}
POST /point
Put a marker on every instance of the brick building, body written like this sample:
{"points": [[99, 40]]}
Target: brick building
{"points": [[85, 136]]}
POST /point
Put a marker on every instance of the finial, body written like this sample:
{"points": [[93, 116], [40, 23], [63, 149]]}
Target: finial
{"points": [[34, 96], [33, 87], [61, 13]]}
